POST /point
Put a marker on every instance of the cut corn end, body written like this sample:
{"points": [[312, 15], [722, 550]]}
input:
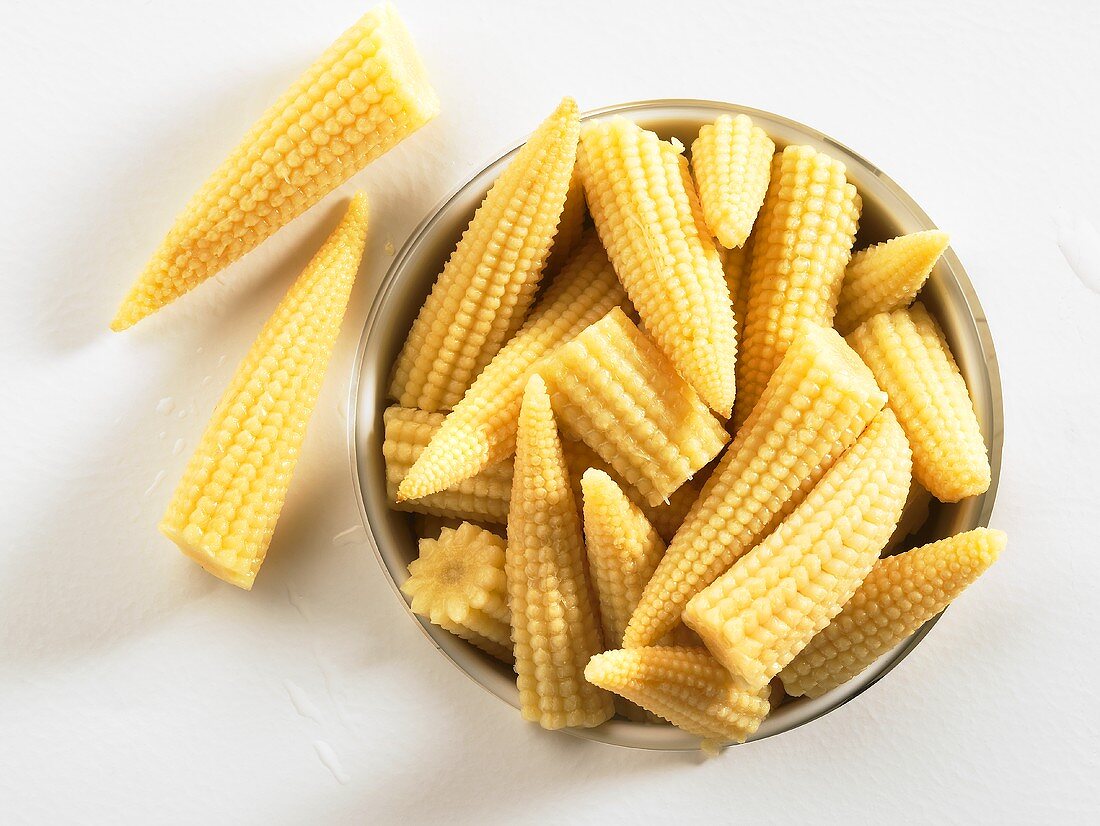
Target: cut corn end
{"points": [[364, 95], [225, 508]]}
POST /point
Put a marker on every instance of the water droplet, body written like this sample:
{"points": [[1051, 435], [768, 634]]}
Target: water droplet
{"points": [[331, 761], [182, 414], [177, 448], [388, 248], [198, 351], [301, 701], [221, 361], [166, 405], [206, 380], [161, 435], [349, 536], [156, 483]]}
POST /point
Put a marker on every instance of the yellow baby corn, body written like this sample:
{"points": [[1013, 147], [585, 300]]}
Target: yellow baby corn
{"points": [[364, 95], [815, 406], [913, 515], [458, 583], [899, 595], [644, 205], [623, 551], [735, 266], [481, 498], [685, 686], [613, 388], [489, 282], [910, 358], [732, 161], [481, 430], [802, 241], [555, 627], [757, 616], [887, 276], [225, 508]]}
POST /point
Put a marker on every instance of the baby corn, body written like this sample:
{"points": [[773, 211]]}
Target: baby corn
{"points": [[644, 205], [910, 358], [802, 242], [481, 430], [756, 617], [899, 595], [555, 627], [685, 686], [617, 391], [735, 266], [489, 282], [732, 161], [623, 551], [458, 583], [364, 95], [225, 508], [482, 497], [815, 406], [887, 276]]}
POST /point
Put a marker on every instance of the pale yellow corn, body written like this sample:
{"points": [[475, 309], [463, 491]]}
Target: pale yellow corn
{"points": [[489, 282], [887, 276], [481, 430], [757, 616], [647, 213], [666, 517], [685, 686], [613, 388], [735, 266], [458, 583], [364, 95], [623, 551], [909, 356], [570, 227], [555, 626], [913, 515], [802, 242], [224, 510], [899, 595], [732, 161], [481, 498], [815, 406]]}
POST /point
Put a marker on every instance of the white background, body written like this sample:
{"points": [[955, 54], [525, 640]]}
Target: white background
{"points": [[135, 688]]}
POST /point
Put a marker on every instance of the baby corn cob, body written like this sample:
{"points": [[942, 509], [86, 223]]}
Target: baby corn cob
{"points": [[363, 96], [489, 282], [803, 238], [735, 266], [481, 429], [815, 406], [666, 517], [644, 205], [899, 595], [481, 498], [458, 583], [555, 627], [732, 161], [623, 551], [757, 616], [685, 686], [887, 276], [617, 391], [910, 358], [225, 508]]}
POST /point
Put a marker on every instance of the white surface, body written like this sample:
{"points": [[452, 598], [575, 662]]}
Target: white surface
{"points": [[135, 688]]}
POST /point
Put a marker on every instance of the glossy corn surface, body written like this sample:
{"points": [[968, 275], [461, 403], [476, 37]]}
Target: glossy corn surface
{"points": [[887, 276], [761, 613], [645, 208], [364, 95], [732, 161], [225, 508], [482, 497], [900, 594], [481, 430], [909, 356], [555, 623], [458, 583], [815, 406], [685, 686], [616, 390], [489, 282], [801, 245]]}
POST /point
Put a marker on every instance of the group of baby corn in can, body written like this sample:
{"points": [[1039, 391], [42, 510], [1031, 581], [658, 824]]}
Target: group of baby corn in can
{"points": [[660, 428]]}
